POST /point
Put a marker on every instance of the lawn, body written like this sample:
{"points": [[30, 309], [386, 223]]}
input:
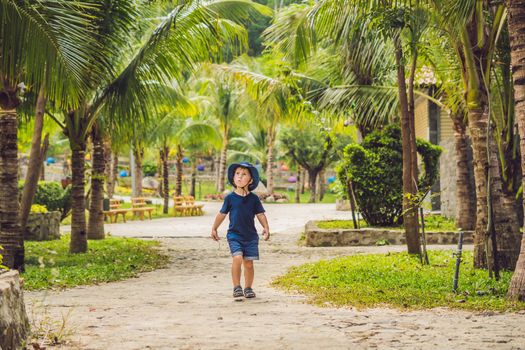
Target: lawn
{"points": [[49, 264], [400, 281], [434, 223]]}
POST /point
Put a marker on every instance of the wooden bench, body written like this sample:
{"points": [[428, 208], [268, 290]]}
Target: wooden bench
{"points": [[115, 210], [138, 207], [196, 209], [185, 206]]}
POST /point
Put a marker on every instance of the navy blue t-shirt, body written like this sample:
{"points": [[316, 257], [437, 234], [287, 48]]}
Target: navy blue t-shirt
{"points": [[242, 214]]}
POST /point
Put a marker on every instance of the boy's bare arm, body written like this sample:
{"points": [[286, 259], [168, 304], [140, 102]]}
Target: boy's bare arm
{"points": [[264, 222], [218, 221]]}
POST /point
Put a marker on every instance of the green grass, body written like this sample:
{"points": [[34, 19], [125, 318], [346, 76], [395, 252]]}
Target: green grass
{"points": [[49, 264], [434, 223], [400, 281]]}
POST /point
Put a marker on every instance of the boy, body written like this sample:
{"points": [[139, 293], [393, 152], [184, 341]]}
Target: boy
{"points": [[243, 206]]}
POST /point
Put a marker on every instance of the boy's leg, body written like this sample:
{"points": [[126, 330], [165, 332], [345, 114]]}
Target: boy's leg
{"points": [[248, 273], [236, 270]]}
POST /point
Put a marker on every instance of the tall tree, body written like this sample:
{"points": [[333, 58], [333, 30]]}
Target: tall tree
{"points": [[33, 36], [128, 86], [516, 9]]}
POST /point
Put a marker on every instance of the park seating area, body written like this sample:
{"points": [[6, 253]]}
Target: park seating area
{"points": [[115, 210], [185, 206], [139, 207]]}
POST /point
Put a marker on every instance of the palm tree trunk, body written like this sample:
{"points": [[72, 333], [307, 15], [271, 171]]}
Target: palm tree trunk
{"points": [[193, 181], [516, 9], [478, 133], [298, 183], [409, 211], [138, 153], [269, 165], [36, 157], [78, 242], [222, 162], [465, 208], [109, 164], [96, 215], [303, 179], [11, 238], [178, 177], [505, 216], [164, 152], [312, 180]]}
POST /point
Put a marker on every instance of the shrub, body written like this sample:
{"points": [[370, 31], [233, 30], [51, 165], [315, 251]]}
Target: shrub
{"points": [[375, 169], [53, 197], [149, 169], [37, 208]]}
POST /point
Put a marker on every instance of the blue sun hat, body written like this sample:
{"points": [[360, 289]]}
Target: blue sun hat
{"points": [[253, 172]]}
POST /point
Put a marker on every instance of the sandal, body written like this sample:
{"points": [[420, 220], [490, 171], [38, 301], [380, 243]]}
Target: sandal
{"points": [[237, 292], [249, 293]]}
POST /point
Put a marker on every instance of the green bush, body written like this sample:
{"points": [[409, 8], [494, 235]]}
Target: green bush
{"points": [[53, 197], [375, 169], [149, 169]]}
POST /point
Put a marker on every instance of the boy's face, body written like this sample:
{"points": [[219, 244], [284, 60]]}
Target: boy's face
{"points": [[242, 177]]}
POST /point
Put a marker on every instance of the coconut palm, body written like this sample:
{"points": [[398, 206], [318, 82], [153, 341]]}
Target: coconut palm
{"points": [[347, 24], [128, 86], [34, 47], [516, 9]]}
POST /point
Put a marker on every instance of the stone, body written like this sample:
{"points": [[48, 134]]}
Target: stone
{"points": [[282, 200], [342, 205], [14, 324], [270, 199], [317, 237], [43, 226], [260, 189], [150, 182]]}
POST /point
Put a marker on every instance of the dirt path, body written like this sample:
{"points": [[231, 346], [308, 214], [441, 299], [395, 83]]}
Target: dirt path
{"points": [[189, 306]]}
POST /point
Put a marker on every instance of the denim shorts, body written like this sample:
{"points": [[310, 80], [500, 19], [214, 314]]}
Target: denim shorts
{"points": [[249, 250]]}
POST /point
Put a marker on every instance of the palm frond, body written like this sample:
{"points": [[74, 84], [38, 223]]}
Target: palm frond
{"points": [[47, 42]]}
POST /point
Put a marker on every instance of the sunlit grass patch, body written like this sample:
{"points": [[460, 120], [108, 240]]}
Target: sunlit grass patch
{"points": [[49, 264], [399, 280]]}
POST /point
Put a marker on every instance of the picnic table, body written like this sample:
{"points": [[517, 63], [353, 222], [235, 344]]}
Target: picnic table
{"points": [[185, 206]]}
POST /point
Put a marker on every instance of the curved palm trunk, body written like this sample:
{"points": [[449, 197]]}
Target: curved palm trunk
{"points": [[96, 216], [78, 242], [465, 208], [11, 238], [222, 162], [516, 9], [164, 152], [36, 157], [269, 165], [410, 218], [178, 176], [138, 153]]}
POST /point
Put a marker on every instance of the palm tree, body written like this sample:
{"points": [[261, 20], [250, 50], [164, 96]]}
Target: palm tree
{"points": [[32, 37], [271, 88], [129, 93], [516, 9], [346, 24]]}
